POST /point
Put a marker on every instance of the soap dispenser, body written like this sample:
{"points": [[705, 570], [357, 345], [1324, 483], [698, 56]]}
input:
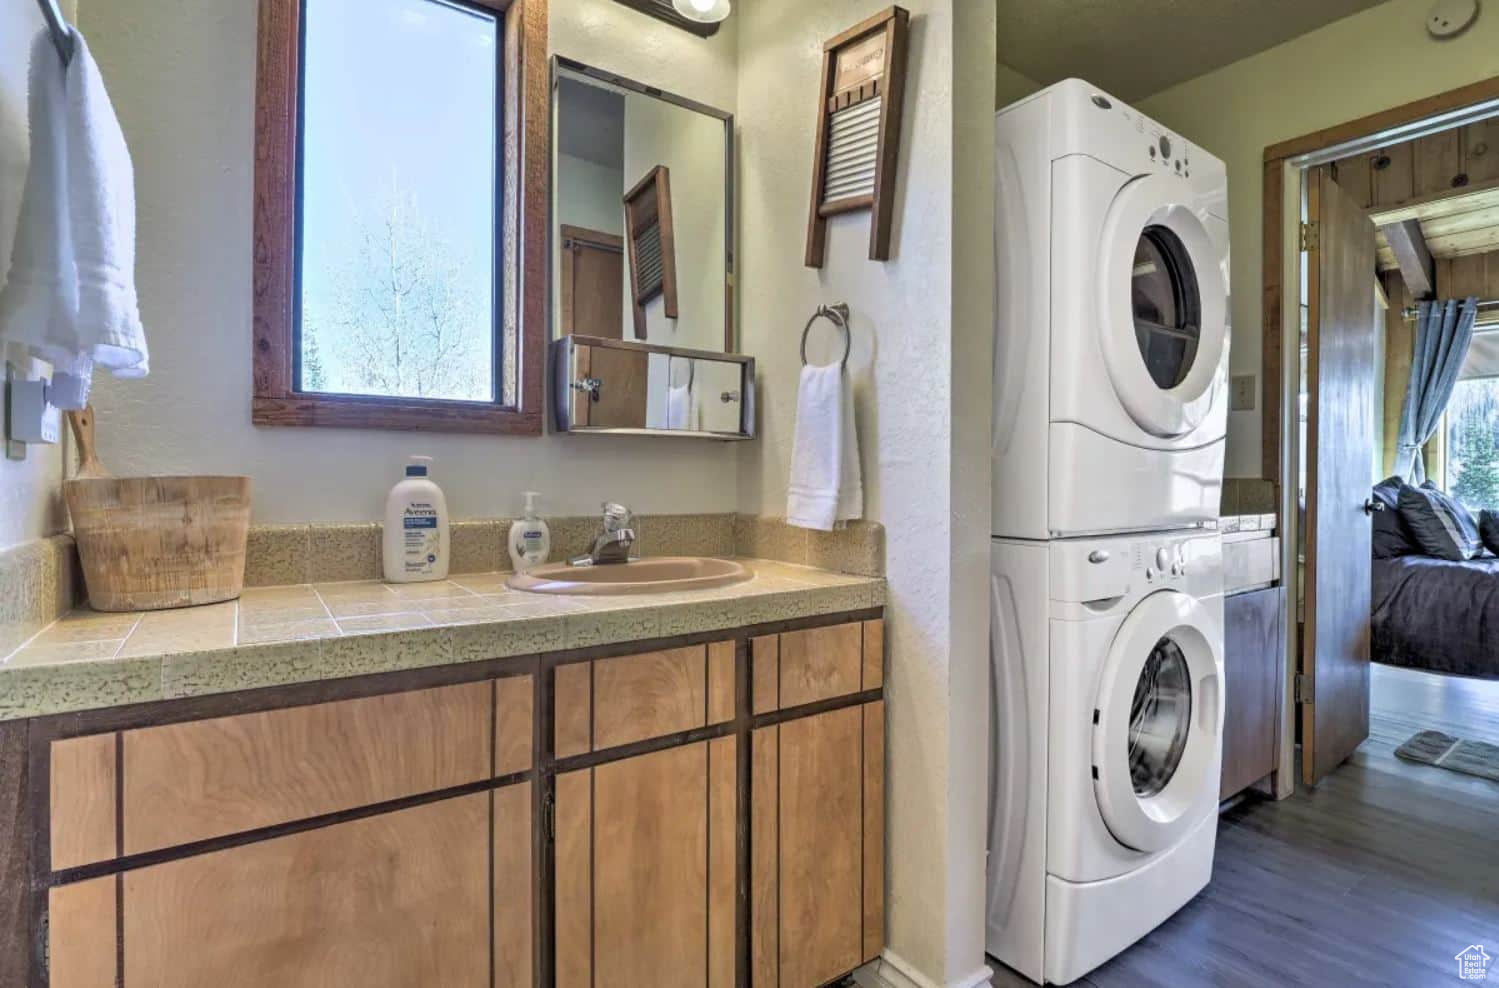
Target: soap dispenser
{"points": [[416, 537], [530, 538]]}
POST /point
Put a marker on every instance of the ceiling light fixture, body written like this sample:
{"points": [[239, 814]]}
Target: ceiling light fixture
{"points": [[703, 11]]}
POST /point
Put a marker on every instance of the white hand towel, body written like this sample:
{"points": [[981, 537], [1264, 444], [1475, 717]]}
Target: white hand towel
{"points": [[71, 293], [825, 486], [681, 409]]}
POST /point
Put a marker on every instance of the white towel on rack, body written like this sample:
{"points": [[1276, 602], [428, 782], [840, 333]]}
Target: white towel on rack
{"points": [[71, 292], [825, 487], [681, 409]]}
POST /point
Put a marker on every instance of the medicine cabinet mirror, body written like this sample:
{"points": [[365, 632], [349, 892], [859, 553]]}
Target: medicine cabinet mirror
{"points": [[642, 214]]}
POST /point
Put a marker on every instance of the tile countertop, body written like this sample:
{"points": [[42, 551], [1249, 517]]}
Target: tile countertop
{"points": [[273, 636]]}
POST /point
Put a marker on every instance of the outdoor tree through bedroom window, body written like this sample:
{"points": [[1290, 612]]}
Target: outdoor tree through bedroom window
{"points": [[1473, 443], [398, 213]]}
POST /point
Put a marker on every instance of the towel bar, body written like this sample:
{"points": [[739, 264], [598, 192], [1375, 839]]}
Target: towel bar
{"points": [[838, 316]]}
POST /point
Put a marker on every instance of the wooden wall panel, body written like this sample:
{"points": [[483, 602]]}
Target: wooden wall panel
{"points": [[636, 697], [650, 854], [514, 736], [874, 654], [765, 892], [723, 819], [83, 800], [82, 938], [572, 894], [514, 888], [1398, 349], [201, 779], [874, 829], [387, 901], [721, 668], [572, 723], [1437, 162], [1354, 176], [822, 866], [1394, 182], [1481, 151], [821, 663], [765, 674]]}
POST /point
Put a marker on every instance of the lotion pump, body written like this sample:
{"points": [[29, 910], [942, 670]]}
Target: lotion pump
{"points": [[530, 538]]}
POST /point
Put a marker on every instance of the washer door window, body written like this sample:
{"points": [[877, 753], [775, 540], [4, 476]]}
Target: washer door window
{"points": [[1164, 298], [1156, 732]]}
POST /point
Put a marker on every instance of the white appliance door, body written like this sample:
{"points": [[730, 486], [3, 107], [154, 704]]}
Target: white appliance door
{"points": [[1157, 721], [1164, 298]]}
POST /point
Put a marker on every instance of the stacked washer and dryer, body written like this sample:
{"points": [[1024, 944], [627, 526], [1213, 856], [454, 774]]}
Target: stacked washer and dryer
{"points": [[1106, 586]]}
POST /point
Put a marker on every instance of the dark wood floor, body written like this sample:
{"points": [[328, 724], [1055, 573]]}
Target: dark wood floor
{"points": [[1379, 876]]}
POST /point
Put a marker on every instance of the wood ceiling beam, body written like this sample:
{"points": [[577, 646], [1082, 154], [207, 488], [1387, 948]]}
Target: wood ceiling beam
{"points": [[1413, 257]]}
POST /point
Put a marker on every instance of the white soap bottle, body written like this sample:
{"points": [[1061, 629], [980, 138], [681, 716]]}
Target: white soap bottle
{"points": [[530, 538], [416, 527]]}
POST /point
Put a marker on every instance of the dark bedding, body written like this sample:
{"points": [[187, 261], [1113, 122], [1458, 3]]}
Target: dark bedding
{"points": [[1439, 615]]}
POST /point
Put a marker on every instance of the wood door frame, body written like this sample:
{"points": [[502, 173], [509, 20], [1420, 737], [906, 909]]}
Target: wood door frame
{"points": [[1284, 168]]}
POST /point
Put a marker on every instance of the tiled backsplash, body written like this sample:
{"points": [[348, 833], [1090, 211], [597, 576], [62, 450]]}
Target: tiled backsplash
{"points": [[1248, 496], [287, 554], [39, 583]]}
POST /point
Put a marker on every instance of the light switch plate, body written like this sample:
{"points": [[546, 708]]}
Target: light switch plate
{"points": [[14, 448], [1241, 393]]}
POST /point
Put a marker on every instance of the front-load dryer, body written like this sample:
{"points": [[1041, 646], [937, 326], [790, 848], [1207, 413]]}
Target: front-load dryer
{"points": [[1112, 322], [1107, 715]]}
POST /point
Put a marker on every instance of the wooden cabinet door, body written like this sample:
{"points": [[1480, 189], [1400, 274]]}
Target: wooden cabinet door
{"points": [[817, 847], [387, 901], [1251, 687], [644, 891]]}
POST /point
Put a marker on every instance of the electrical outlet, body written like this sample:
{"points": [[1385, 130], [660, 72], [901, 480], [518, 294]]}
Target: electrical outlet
{"points": [[1241, 394], [14, 448]]}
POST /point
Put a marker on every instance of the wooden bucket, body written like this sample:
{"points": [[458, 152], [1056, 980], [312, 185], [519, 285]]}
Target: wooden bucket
{"points": [[149, 543]]}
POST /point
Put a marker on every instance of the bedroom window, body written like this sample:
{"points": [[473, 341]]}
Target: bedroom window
{"points": [[1473, 443], [400, 215]]}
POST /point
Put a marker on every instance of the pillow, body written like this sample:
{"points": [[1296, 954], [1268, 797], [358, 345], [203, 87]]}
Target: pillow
{"points": [[1439, 524], [1392, 537], [1488, 530]]}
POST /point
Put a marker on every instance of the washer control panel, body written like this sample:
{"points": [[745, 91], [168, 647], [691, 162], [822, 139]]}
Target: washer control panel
{"points": [[1119, 568]]}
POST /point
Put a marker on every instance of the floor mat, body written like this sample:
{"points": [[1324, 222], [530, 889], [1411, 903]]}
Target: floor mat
{"points": [[1445, 751]]}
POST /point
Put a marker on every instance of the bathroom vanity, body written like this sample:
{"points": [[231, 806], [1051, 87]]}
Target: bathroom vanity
{"points": [[641, 796]]}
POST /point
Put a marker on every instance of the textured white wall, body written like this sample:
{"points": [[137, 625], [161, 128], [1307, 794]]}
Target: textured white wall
{"points": [[1361, 64], [30, 499], [181, 73], [920, 364], [588, 195]]}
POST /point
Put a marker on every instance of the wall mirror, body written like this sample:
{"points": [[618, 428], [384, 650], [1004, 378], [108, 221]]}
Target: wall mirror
{"points": [[621, 386], [642, 213]]}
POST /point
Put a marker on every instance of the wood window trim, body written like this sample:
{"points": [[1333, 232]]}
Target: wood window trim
{"points": [[523, 239], [1276, 158]]}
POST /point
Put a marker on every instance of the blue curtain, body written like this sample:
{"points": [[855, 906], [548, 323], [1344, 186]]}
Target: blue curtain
{"points": [[1443, 331]]}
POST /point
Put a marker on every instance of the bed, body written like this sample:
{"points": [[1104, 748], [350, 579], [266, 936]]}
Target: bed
{"points": [[1433, 614]]}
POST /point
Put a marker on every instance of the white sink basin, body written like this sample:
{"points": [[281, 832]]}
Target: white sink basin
{"points": [[655, 575]]}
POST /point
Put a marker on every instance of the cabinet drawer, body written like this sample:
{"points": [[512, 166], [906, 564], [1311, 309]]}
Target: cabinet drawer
{"points": [[801, 667], [606, 703], [208, 778]]}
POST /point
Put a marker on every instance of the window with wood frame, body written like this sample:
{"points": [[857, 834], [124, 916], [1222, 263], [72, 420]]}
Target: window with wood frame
{"points": [[401, 215]]}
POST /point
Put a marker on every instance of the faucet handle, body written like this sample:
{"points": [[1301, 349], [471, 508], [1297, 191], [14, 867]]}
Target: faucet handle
{"points": [[616, 517]]}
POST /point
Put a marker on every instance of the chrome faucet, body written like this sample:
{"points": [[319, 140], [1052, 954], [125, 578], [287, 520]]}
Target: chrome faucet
{"points": [[613, 544]]}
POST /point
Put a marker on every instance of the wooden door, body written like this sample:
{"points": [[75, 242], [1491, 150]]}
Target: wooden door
{"points": [[1340, 384], [817, 861], [394, 900], [645, 869], [593, 283]]}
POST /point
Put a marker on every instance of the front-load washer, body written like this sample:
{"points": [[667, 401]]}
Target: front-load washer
{"points": [[1107, 715], [1112, 320]]}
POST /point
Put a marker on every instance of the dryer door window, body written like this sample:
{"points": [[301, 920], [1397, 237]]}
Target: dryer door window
{"points": [[1163, 317], [1167, 306], [1156, 745]]}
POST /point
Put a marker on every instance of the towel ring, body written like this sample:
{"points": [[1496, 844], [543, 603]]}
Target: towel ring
{"points": [[838, 316]]}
